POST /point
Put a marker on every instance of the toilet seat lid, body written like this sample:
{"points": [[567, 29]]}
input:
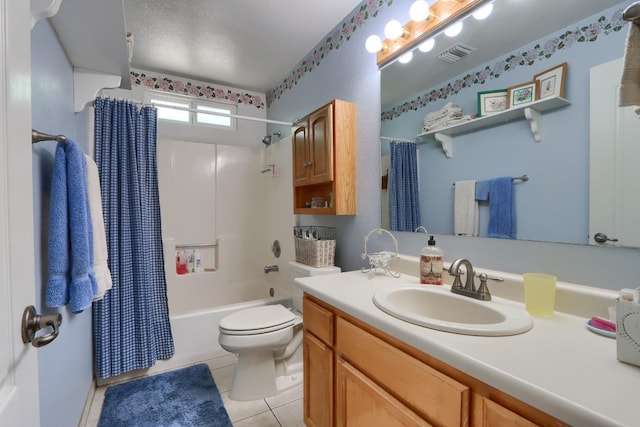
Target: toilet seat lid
{"points": [[261, 319]]}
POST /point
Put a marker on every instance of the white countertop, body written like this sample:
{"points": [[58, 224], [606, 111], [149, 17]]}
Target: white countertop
{"points": [[559, 366]]}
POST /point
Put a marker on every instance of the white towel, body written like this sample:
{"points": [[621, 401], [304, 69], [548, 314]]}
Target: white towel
{"points": [[465, 209], [100, 252], [630, 81]]}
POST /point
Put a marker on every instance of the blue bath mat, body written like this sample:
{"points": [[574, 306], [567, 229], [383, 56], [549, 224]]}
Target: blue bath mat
{"points": [[185, 397]]}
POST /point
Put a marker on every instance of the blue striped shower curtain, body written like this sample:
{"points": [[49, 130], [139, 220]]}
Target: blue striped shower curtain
{"points": [[403, 186], [131, 324]]}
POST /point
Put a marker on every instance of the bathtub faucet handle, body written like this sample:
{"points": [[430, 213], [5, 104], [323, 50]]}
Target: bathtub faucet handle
{"points": [[270, 268]]}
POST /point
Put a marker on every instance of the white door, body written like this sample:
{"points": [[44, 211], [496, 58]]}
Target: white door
{"points": [[19, 400], [614, 189]]}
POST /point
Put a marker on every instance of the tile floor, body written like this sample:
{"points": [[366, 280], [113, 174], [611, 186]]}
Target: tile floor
{"points": [[283, 410]]}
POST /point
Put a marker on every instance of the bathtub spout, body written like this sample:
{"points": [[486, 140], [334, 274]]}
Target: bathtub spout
{"points": [[270, 268]]}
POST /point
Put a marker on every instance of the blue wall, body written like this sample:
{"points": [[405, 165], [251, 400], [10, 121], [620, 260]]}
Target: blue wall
{"points": [[66, 365], [350, 73]]}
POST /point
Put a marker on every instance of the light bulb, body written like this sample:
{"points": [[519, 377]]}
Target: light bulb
{"points": [[427, 45], [393, 29], [483, 12], [373, 44], [405, 57], [453, 29], [419, 10]]}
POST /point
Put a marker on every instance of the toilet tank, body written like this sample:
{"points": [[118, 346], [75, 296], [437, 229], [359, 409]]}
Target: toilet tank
{"points": [[296, 270]]}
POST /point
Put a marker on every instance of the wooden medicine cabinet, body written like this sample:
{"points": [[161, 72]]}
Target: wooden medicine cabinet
{"points": [[324, 161]]}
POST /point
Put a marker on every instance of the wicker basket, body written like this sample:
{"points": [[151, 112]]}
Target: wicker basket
{"points": [[314, 245]]}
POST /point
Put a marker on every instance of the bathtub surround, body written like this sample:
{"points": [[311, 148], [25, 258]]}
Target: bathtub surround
{"points": [[184, 397], [131, 324]]}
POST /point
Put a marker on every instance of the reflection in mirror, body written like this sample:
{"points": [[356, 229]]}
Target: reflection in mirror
{"points": [[553, 205]]}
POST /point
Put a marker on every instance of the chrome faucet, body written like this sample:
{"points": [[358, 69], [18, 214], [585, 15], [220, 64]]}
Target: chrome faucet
{"points": [[270, 268], [469, 289]]}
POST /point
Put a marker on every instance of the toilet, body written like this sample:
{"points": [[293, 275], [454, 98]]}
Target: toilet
{"points": [[268, 342]]}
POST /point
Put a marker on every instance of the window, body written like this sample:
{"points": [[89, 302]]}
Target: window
{"points": [[193, 111]]}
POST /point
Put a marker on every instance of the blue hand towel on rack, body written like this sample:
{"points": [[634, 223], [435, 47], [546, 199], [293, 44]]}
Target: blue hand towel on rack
{"points": [[71, 277], [502, 214]]}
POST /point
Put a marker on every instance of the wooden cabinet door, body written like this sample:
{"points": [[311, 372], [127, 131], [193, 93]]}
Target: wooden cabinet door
{"points": [[487, 413], [300, 149], [318, 382], [321, 145], [361, 402]]}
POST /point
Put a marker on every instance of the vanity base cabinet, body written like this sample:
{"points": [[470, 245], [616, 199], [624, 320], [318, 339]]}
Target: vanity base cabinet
{"points": [[318, 382], [368, 377], [361, 402], [318, 364], [490, 414]]}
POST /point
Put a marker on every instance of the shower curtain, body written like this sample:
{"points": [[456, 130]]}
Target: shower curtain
{"points": [[403, 186], [131, 324]]}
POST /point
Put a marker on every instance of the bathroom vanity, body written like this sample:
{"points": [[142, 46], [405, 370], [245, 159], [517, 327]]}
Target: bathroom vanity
{"points": [[363, 364]]}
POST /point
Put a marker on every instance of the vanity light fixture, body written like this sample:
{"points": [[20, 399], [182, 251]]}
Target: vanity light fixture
{"points": [[420, 11], [406, 57], [374, 44], [453, 29], [394, 30], [483, 12], [427, 45], [434, 20]]}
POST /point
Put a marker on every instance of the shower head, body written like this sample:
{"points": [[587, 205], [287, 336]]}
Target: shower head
{"points": [[268, 139]]}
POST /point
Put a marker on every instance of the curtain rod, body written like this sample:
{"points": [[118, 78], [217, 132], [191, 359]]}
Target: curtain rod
{"points": [[397, 139], [212, 113]]}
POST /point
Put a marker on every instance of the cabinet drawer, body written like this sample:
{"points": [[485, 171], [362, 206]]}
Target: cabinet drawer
{"points": [[433, 395], [318, 320]]}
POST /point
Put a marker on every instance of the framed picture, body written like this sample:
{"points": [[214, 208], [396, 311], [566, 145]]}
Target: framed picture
{"points": [[521, 94], [491, 102], [551, 82]]}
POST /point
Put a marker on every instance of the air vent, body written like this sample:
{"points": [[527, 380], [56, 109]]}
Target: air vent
{"points": [[456, 52]]}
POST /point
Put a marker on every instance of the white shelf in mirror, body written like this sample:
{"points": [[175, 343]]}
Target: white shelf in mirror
{"points": [[532, 112]]}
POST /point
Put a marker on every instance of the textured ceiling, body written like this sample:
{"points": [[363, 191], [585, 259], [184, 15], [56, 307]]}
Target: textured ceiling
{"points": [[248, 44]]}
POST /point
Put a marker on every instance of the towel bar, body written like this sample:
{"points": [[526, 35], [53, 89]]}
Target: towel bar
{"points": [[632, 13], [37, 136], [523, 178]]}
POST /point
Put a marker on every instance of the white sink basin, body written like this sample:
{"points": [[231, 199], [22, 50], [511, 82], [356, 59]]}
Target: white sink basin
{"points": [[436, 307]]}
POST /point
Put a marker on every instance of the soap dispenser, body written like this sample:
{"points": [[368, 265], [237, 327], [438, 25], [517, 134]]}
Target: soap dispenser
{"points": [[431, 264]]}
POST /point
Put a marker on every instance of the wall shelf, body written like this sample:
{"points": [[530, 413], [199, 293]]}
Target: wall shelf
{"points": [[94, 37], [531, 112]]}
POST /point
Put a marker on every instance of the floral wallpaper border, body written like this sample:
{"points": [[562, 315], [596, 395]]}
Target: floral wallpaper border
{"points": [[580, 34], [369, 9], [167, 84]]}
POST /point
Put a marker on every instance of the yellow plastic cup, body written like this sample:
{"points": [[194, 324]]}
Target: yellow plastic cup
{"points": [[539, 294]]}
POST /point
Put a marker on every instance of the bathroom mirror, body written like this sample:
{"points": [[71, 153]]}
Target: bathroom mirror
{"points": [[513, 25]]}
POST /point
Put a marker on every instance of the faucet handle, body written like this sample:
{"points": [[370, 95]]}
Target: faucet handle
{"points": [[457, 283], [483, 290]]}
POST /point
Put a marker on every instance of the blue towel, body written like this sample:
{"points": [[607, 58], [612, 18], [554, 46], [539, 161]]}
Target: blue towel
{"points": [[71, 277], [502, 214]]}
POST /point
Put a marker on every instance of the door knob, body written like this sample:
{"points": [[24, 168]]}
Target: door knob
{"points": [[603, 238], [32, 322]]}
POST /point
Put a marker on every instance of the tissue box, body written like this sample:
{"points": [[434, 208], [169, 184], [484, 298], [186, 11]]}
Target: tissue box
{"points": [[628, 332]]}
